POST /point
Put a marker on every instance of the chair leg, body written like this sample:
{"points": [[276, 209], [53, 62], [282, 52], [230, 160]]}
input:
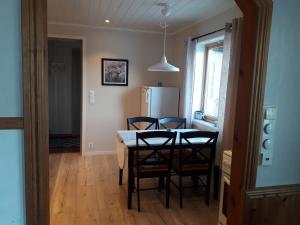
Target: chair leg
{"points": [[132, 182], [120, 176], [163, 182], [168, 192], [195, 182], [138, 193], [207, 189], [160, 183], [180, 191], [130, 190]]}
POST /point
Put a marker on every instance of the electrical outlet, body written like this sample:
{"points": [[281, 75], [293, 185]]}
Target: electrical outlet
{"points": [[91, 145], [266, 159]]}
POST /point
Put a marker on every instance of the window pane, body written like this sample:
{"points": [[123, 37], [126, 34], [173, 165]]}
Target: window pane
{"points": [[213, 78]]}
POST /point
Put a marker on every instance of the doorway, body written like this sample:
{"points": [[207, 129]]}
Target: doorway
{"points": [[35, 127], [64, 94]]}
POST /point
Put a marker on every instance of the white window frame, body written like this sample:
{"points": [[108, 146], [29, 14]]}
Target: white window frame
{"points": [[206, 117]]}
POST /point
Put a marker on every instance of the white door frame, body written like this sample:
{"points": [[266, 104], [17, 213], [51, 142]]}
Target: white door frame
{"points": [[83, 86]]}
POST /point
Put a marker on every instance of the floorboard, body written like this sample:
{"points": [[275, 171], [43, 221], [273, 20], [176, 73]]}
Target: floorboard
{"points": [[85, 191]]}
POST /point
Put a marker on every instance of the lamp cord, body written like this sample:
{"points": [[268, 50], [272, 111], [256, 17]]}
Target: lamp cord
{"points": [[165, 37]]}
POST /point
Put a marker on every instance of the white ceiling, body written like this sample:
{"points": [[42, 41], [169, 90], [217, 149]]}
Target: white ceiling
{"points": [[134, 14]]}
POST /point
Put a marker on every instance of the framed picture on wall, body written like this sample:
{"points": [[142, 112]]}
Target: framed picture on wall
{"points": [[114, 72]]}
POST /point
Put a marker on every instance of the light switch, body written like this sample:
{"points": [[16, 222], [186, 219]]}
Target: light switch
{"points": [[270, 112], [267, 133], [91, 97]]}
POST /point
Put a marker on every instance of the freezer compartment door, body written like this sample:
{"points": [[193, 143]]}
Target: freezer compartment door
{"points": [[164, 102]]}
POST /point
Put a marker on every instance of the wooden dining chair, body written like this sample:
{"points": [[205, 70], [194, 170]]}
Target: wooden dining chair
{"points": [[196, 159], [153, 159], [132, 124], [172, 123], [151, 123]]}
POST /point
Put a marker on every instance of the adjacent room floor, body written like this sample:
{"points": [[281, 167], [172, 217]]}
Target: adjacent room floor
{"points": [[85, 191]]}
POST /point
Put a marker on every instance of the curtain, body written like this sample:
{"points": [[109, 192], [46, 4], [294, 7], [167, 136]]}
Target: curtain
{"points": [[188, 82], [232, 85], [223, 90], [228, 87]]}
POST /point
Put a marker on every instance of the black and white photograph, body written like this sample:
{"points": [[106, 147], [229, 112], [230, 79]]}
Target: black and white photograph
{"points": [[115, 72]]}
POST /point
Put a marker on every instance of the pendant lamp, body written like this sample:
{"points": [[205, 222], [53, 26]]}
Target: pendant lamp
{"points": [[163, 65]]}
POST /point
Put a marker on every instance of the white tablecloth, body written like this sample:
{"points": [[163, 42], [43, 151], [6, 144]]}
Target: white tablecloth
{"points": [[121, 152], [126, 138]]}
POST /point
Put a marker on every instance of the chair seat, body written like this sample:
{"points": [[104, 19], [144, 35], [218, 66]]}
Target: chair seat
{"points": [[189, 167], [184, 153], [152, 168]]}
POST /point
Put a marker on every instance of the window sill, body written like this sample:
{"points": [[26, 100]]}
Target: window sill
{"points": [[204, 125]]}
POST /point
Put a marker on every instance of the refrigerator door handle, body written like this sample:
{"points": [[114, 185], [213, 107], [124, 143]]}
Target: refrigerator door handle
{"points": [[148, 100], [147, 95]]}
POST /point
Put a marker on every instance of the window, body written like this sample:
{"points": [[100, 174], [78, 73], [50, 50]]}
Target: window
{"points": [[214, 56], [210, 79]]}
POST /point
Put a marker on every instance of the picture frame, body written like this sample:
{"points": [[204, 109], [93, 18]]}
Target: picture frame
{"points": [[114, 72]]}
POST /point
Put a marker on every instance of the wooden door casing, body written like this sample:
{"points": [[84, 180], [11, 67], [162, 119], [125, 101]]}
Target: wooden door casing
{"points": [[35, 98]]}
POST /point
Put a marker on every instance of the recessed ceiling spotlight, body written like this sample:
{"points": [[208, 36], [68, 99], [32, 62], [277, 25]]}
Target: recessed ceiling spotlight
{"points": [[107, 21]]}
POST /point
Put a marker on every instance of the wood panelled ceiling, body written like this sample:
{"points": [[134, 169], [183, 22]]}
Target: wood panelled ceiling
{"points": [[134, 14]]}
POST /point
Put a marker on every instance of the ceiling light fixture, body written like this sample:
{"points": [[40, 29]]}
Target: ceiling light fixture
{"points": [[163, 65], [107, 21]]}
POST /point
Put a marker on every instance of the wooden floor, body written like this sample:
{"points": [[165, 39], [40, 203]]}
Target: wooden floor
{"points": [[85, 191]]}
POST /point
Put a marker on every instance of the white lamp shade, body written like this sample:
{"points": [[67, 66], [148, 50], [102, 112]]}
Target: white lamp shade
{"points": [[163, 66]]}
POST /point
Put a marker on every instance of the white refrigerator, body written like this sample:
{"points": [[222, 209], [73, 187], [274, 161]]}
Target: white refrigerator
{"points": [[159, 102]]}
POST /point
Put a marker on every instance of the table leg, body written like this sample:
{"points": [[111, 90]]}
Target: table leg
{"points": [[120, 176], [130, 177], [216, 182]]}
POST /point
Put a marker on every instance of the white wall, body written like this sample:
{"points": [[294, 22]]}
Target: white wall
{"points": [[114, 104], [282, 90]]}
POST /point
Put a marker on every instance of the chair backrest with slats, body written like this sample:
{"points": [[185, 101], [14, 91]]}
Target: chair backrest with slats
{"points": [[177, 122], [151, 123], [195, 152], [154, 148]]}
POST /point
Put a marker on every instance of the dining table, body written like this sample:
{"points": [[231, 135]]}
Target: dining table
{"points": [[126, 145]]}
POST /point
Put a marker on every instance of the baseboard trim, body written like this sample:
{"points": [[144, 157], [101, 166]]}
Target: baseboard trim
{"points": [[99, 152], [283, 190]]}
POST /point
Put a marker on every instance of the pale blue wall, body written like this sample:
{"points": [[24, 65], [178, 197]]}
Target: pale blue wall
{"points": [[10, 60], [283, 90], [11, 178], [11, 142]]}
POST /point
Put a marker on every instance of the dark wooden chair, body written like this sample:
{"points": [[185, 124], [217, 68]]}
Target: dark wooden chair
{"points": [[172, 123], [151, 123], [132, 124], [153, 160], [196, 159]]}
